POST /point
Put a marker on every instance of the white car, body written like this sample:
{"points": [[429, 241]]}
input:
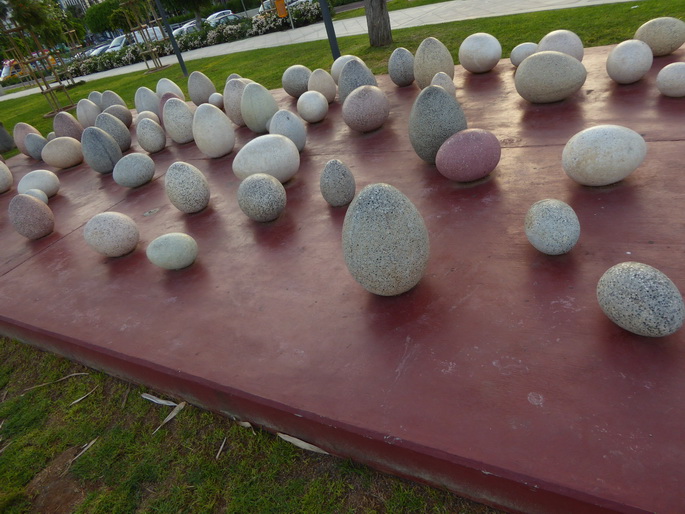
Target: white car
{"points": [[211, 17], [188, 28], [117, 44]]}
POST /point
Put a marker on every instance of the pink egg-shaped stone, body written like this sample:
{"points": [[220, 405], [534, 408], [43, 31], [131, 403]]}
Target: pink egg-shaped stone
{"points": [[21, 130], [468, 155]]}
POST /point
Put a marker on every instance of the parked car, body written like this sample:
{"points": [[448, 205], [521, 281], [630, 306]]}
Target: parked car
{"points": [[224, 19], [217, 14], [100, 49], [188, 28], [118, 43]]}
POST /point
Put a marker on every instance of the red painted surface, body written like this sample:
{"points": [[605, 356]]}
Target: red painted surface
{"points": [[498, 376]]}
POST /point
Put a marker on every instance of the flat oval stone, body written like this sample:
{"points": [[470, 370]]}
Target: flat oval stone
{"points": [[217, 100], [320, 80], [670, 82], [186, 187], [443, 80], [151, 136], [115, 128], [200, 88], [100, 150], [401, 67], [641, 299], [272, 154], [110, 98], [165, 85], [134, 170], [257, 107], [312, 106], [19, 133], [629, 61], [340, 63], [122, 113], [354, 74], [6, 178], [521, 51], [37, 193], [34, 145], [434, 117], [366, 109], [431, 57], [96, 98], [172, 251], [385, 241], [65, 125], [146, 100], [30, 217], [480, 52], [603, 154], [261, 197], [337, 184], [287, 124], [111, 234], [295, 80], [162, 102], [552, 226], [564, 41], [233, 95], [549, 76], [213, 131], [45, 180], [178, 120], [147, 114], [663, 35], [86, 112], [468, 155], [63, 152]]}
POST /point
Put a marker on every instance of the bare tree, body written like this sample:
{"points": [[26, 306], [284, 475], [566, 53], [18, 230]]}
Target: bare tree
{"points": [[378, 22]]}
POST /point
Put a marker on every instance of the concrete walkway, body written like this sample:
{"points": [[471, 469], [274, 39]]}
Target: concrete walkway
{"points": [[443, 12]]}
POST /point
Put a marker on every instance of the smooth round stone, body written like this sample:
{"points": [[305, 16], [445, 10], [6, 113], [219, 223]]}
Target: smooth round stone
{"points": [[19, 133], [257, 106], [430, 58], [434, 117], [520, 52], [295, 80], [151, 136], [134, 170], [312, 106], [63, 152], [337, 183], [37, 193], [670, 82], [340, 63], [51, 136], [111, 234], [552, 226], [663, 35], [272, 154], [480, 52], [603, 154], [30, 217], [100, 150], [401, 67], [549, 76], [6, 178], [213, 131], [96, 98], [217, 100], [233, 95], [443, 80], [641, 299], [186, 187], [115, 128], [65, 125], [366, 109], [178, 120], [44, 180], [165, 85], [200, 88], [233, 76], [162, 102], [110, 98], [146, 100], [122, 113], [320, 80], [563, 41], [353, 75], [86, 112], [147, 114], [34, 145], [261, 197], [172, 251], [289, 125], [629, 61], [385, 241], [468, 155]]}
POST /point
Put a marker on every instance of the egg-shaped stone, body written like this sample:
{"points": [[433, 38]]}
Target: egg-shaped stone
{"points": [[468, 155], [86, 112], [110, 98], [641, 299], [186, 187], [261, 197], [233, 76], [66, 125], [257, 105], [480, 52], [134, 170], [602, 155], [6, 178], [213, 131], [340, 63], [178, 120], [96, 98], [385, 241], [564, 41], [434, 117], [165, 85], [34, 145], [172, 251], [30, 217], [233, 95], [217, 100], [670, 82], [200, 88], [111, 234], [549, 76], [19, 133], [663, 35], [162, 102], [115, 128], [121, 112], [51, 136], [366, 109], [312, 106], [290, 125], [629, 61], [272, 154], [37, 193], [431, 57], [146, 99], [552, 226], [353, 75], [446, 82], [151, 136], [322, 81], [100, 150], [337, 184], [521, 51], [401, 67], [147, 114], [45, 180], [63, 152], [295, 80]]}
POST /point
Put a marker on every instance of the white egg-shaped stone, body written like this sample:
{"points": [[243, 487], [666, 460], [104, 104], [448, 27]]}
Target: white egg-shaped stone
{"points": [[111, 234], [86, 112], [670, 82], [602, 155], [151, 136], [37, 193], [629, 61], [96, 98], [122, 113], [200, 88], [401, 67], [320, 80], [19, 134], [186, 187], [480, 52], [146, 100], [641, 299], [261, 197], [337, 184], [521, 51], [110, 98], [213, 131], [564, 41], [385, 241], [147, 114], [446, 82], [30, 217], [233, 95], [431, 57], [44, 180], [663, 35], [217, 100], [51, 136], [100, 150], [63, 152], [34, 145], [6, 178], [172, 251], [257, 106], [340, 63], [66, 125], [366, 109], [549, 76], [165, 85], [233, 76], [295, 80], [115, 128], [134, 170], [178, 120], [312, 106], [552, 226], [272, 154], [353, 75], [290, 125]]}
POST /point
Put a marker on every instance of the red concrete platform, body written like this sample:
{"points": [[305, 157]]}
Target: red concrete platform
{"points": [[497, 377]]}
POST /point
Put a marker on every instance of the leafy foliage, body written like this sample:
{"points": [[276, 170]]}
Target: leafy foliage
{"points": [[98, 15]]}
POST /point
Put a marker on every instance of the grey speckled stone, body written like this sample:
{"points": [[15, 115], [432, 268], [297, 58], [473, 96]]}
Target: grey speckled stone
{"points": [[521, 51], [261, 197], [213, 131], [312, 106], [165, 85], [146, 99], [337, 183], [257, 105], [434, 117], [100, 150], [480, 52], [110, 98], [86, 112], [112, 234], [217, 100], [115, 128], [295, 80], [233, 94], [549, 76], [641, 299], [35, 144], [354, 74], [151, 136], [186, 187], [147, 114], [30, 217], [321, 81], [670, 81], [552, 226], [66, 125], [172, 251], [385, 241], [6, 178], [288, 124], [96, 98], [133, 170], [663, 35], [340, 63], [629, 61], [431, 57], [366, 109], [121, 112], [272, 154], [401, 67], [62, 152], [44, 180], [564, 41], [178, 120], [37, 193], [200, 88], [443, 80]]}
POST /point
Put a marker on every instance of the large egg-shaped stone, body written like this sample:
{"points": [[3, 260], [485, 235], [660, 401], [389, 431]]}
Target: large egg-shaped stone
{"points": [[66, 125], [100, 150], [147, 114], [186, 187], [200, 87], [44, 180], [272, 154], [353, 75], [431, 57], [366, 109], [213, 131], [385, 241], [146, 99], [30, 217], [133, 170], [468, 155], [552, 226], [151, 136], [288, 124], [111, 234], [629, 61], [320, 80], [670, 82], [178, 120], [312, 106], [233, 95], [340, 63], [641, 299], [6, 178], [663, 35], [165, 85], [63, 152], [564, 41], [521, 51], [34, 145], [37, 193], [96, 98], [115, 128], [480, 52], [602, 155], [446, 82], [261, 197], [434, 117], [549, 76], [172, 251], [110, 98], [162, 102], [295, 80], [257, 106], [401, 67], [122, 113], [86, 112], [337, 184], [19, 133]]}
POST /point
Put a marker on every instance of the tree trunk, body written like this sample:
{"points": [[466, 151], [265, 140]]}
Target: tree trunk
{"points": [[378, 22], [198, 19]]}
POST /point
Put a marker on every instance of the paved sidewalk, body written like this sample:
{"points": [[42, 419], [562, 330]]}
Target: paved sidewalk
{"points": [[443, 12]]}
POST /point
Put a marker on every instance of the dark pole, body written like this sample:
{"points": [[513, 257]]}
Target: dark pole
{"points": [[174, 45], [330, 30]]}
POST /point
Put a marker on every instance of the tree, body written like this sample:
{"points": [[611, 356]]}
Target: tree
{"points": [[195, 6], [378, 22], [98, 16]]}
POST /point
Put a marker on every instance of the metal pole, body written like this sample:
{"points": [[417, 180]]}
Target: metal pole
{"points": [[330, 30], [174, 45]]}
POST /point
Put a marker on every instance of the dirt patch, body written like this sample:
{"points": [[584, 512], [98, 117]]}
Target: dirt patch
{"points": [[53, 490]]}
